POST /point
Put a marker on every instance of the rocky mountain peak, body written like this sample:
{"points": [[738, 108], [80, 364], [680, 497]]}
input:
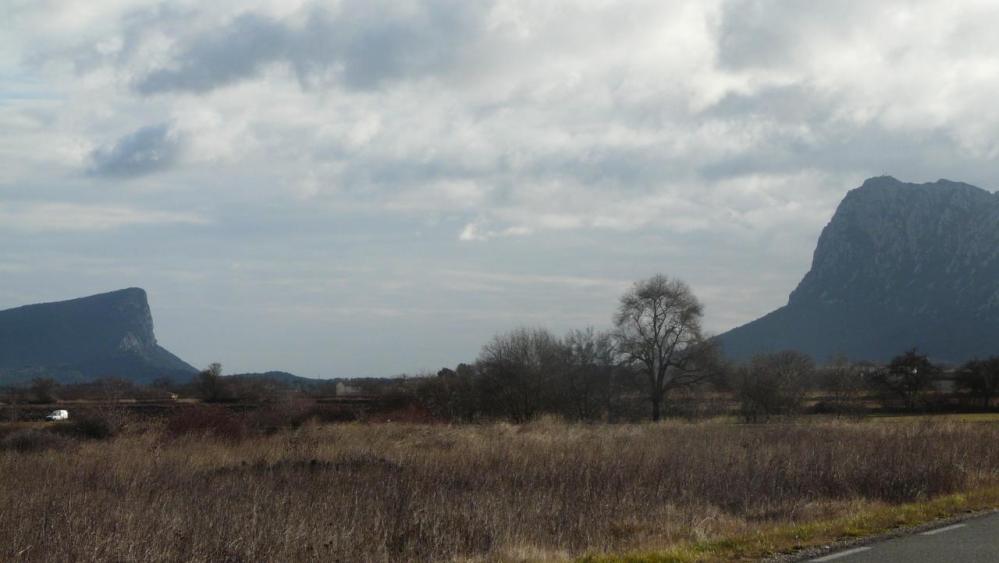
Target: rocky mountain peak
{"points": [[898, 255], [110, 334]]}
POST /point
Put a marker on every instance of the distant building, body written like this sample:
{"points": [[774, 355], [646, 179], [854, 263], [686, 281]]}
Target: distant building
{"points": [[342, 389]]}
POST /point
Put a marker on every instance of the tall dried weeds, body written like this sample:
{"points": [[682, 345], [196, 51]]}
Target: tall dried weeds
{"points": [[393, 492]]}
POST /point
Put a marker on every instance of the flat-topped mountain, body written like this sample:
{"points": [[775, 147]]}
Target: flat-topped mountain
{"points": [[106, 335], [899, 266]]}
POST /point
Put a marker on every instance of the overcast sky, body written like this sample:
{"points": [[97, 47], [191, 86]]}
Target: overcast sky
{"points": [[367, 187]]}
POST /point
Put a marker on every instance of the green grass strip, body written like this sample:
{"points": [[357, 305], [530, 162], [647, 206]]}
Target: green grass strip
{"points": [[788, 538]]}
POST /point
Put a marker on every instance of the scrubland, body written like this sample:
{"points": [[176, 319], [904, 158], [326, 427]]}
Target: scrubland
{"points": [[545, 490]]}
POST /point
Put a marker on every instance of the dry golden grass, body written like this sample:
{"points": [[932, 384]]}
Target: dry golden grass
{"points": [[983, 417], [541, 491]]}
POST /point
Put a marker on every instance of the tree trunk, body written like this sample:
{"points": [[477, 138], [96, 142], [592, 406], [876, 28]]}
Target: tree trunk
{"points": [[656, 407]]}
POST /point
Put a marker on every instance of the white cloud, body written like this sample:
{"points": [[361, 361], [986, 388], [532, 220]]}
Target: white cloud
{"points": [[72, 217], [475, 231], [712, 138]]}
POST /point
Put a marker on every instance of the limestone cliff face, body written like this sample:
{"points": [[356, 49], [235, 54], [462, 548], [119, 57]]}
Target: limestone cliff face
{"points": [[899, 265], [103, 335]]}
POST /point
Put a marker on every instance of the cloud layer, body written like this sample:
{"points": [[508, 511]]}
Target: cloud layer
{"points": [[495, 140], [144, 151], [357, 45]]}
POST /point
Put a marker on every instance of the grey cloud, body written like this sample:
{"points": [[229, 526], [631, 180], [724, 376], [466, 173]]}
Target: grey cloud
{"points": [[361, 46], [794, 103], [626, 170], [862, 151], [749, 36], [236, 52], [87, 55], [771, 33], [803, 132], [144, 151]]}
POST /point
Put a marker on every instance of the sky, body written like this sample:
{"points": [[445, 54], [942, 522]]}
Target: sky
{"points": [[374, 187]]}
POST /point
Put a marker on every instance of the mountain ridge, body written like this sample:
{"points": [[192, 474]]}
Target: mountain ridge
{"points": [[899, 265], [105, 335]]}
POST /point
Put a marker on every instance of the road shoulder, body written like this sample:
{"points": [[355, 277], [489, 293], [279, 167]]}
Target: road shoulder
{"points": [[854, 543]]}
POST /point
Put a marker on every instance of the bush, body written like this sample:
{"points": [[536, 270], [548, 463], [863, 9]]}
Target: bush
{"points": [[412, 414], [773, 384], [97, 426], [204, 420], [333, 413], [274, 416], [855, 409], [33, 440], [908, 379]]}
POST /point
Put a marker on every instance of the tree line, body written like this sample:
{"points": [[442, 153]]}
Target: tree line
{"points": [[656, 358], [654, 361]]}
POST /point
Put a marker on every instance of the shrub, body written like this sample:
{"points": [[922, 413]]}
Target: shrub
{"points": [[773, 384], [333, 413], [855, 408], [204, 420], [907, 379], [33, 440], [282, 414], [97, 426], [412, 414]]}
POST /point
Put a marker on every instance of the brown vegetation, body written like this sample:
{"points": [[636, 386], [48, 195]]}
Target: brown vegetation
{"points": [[388, 492]]}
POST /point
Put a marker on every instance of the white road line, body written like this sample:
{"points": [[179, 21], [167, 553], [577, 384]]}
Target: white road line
{"points": [[941, 530], [841, 554]]}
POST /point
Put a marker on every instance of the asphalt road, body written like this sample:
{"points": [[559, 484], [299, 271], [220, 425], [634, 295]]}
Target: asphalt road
{"points": [[971, 541]]}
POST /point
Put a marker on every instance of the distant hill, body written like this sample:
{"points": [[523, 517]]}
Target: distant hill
{"points": [[106, 335], [281, 377], [899, 266]]}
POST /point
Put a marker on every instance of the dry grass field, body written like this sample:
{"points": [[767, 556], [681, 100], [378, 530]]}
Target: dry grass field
{"points": [[499, 492]]}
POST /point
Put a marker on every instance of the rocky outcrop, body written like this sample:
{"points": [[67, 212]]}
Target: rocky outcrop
{"points": [[107, 335], [899, 266]]}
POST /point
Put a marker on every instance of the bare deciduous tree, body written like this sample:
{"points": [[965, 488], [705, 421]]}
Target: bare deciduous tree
{"points": [[453, 394], [908, 377], [980, 379], [13, 397], [773, 384], [589, 375], [520, 371], [658, 333], [44, 389], [843, 385], [210, 383]]}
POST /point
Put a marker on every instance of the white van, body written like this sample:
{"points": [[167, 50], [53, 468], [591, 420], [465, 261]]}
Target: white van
{"points": [[57, 415]]}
